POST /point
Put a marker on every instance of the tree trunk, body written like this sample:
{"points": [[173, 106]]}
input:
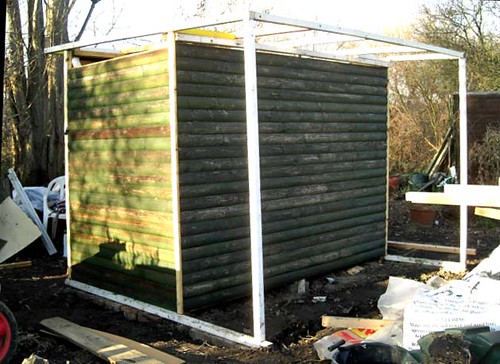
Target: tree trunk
{"points": [[57, 25], [37, 91], [34, 89], [18, 116]]}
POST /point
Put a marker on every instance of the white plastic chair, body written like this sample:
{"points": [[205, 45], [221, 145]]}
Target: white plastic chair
{"points": [[50, 210]]}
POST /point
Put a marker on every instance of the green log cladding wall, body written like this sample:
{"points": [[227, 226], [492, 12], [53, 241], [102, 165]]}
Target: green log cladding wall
{"points": [[323, 130], [120, 177]]}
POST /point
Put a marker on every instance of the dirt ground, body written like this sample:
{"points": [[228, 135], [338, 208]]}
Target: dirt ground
{"points": [[293, 321]]}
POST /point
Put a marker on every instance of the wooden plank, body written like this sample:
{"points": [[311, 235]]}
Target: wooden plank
{"points": [[320, 65], [225, 68], [15, 265], [16, 229], [133, 202], [354, 322], [271, 183], [446, 265], [201, 152], [110, 145], [280, 94], [286, 276], [488, 212], [144, 120], [122, 235], [94, 99], [433, 198], [470, 195], [211, 103], [88, 53], [428, 247], [324, 158], [107, 346], [111, 77], [120, 63], [476, 195], [151, 107], [153, 286], [173, 316], [196, 140], [277, 172], [213, 78], [47, 242], [148, 350], [89, 88], [159, 227], [211, 280], [129, 132], [121, 213]]}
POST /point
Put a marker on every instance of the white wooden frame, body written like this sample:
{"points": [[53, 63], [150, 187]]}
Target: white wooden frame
{"points": [[464, 187], [254, 39]]}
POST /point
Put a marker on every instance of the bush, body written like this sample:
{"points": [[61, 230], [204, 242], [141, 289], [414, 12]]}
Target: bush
{"points": [[484, 157]]}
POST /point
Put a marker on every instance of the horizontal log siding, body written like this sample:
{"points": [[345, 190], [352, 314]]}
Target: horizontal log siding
{"points": [[323, 129], [120, 178]]}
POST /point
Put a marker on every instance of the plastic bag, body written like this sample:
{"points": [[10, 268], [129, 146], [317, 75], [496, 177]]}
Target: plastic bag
{"points": [[400, 291]]}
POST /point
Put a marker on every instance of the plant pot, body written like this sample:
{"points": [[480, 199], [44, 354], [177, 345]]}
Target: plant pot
{"points": [[422, 215], [394, 184]]}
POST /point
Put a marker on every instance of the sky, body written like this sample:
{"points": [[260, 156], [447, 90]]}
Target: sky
{"points": [[118, 17]]}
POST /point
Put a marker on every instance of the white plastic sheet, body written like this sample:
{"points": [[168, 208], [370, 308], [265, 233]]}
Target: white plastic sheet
{"points": [[400, 291], [472, 301]]}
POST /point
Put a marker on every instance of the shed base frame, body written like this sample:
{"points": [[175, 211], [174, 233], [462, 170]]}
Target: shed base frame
{"points": [[453, 267], [192, 322]]}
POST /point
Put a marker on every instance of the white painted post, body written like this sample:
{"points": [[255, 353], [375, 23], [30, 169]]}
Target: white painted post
{"points": [[68, 55], [462, 93], [174, 157], [252, 121]]}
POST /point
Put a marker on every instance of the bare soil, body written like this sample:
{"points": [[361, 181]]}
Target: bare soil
{"points": [[293, 320]]}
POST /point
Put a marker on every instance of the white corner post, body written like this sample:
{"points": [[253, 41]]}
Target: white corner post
{"points": [[68, 55], [462, 93], [174, 157], [252, 121]]}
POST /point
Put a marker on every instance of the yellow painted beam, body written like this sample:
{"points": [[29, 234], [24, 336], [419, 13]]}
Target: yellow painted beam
{"points": [[488, 212]]}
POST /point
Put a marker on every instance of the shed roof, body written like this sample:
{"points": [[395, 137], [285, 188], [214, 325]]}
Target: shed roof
{"points": [[280, 34]]}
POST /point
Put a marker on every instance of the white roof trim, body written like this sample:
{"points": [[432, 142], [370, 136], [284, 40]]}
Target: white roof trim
{"points": [[283, 26], [419, 57], [355, 33], [185, 25]]}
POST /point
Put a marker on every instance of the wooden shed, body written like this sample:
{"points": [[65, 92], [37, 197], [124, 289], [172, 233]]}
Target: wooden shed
{"points": [[323, 148], [205, 170]]}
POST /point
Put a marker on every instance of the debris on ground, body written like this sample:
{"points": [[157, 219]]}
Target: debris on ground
{"points": [[354, 270], [292, 322], [35, 359], [112, 348], [423, 323], [471, 301], [349, 322]]}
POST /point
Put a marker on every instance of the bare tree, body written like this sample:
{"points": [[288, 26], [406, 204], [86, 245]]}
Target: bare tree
{"points": [[33, 96], [421, 93], [470, 26]]}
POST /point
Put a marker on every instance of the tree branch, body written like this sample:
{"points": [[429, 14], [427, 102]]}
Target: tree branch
{"points": [[89, 14]]}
